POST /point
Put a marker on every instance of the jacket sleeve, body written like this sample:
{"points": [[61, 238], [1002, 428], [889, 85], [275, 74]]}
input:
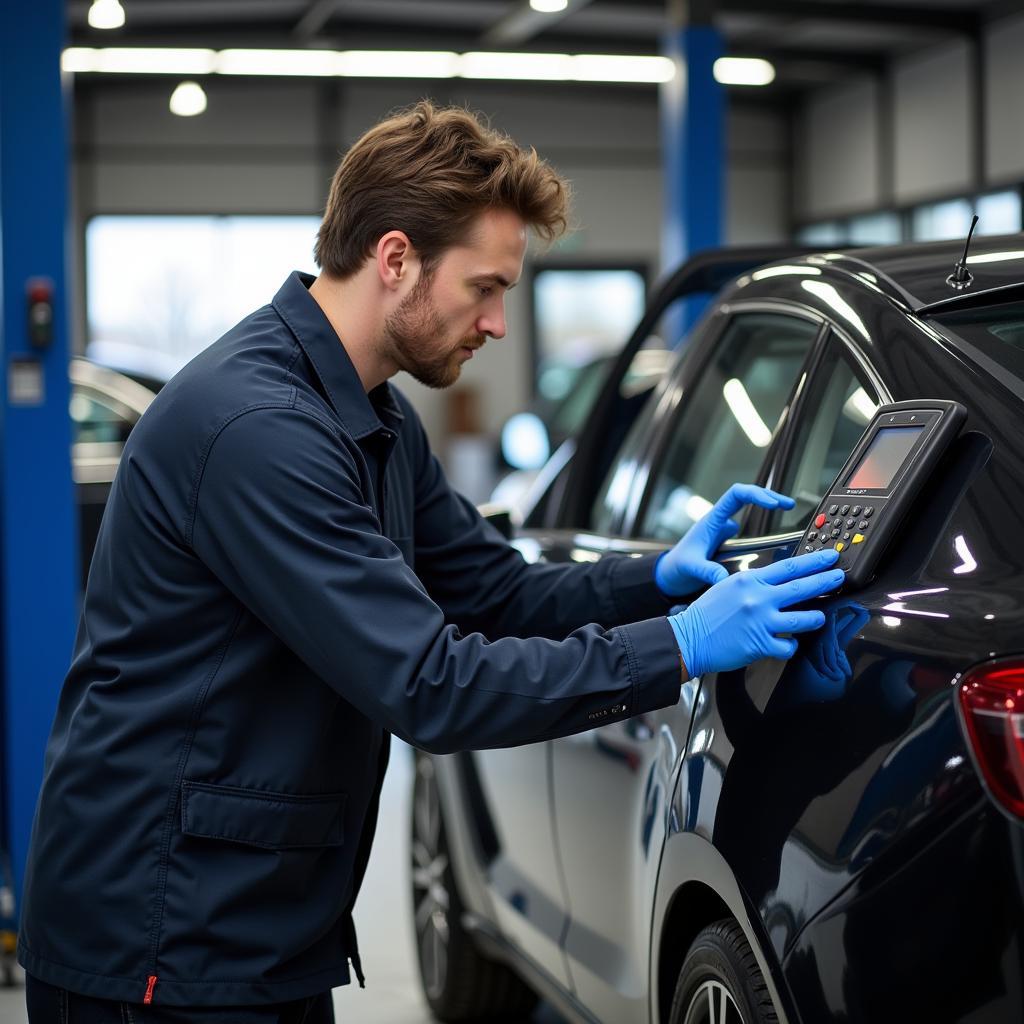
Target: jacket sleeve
{"points": [[484, 584], [281, 520]]}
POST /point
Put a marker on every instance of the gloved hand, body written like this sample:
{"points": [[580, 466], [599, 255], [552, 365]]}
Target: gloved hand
{"points": [[736, 622], [822, 670], [826, 653], [688, 566]]}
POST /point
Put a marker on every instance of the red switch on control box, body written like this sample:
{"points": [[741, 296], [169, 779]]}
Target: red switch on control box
{"points": [[820, 521], [40, 312]]}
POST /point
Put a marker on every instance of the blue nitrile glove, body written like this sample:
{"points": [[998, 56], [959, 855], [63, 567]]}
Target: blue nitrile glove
{"points": [[823, 670], [688, 566], [736, 622]]}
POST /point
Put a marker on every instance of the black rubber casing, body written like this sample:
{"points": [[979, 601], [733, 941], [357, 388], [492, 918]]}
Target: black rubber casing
{"points": [[941, 420]]}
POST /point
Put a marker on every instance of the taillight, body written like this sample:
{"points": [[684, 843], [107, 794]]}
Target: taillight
{"points": [[992, 701]]}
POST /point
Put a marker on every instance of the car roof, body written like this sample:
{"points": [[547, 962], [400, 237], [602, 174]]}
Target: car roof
{"points": [[919, 270], [118, 386]]}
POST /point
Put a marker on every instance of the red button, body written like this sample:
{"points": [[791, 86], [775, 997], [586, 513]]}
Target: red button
{"points": [[820, 521]]}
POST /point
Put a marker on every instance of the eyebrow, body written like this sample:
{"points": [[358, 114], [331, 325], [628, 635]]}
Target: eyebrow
{"points": [[497, 277]]}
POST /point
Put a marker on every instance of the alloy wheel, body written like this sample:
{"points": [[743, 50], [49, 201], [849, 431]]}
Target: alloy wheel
{"points": [[431, 898], [712, 1003]]}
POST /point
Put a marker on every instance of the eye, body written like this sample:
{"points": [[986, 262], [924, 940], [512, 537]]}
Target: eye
{"points": [[484, 289]]}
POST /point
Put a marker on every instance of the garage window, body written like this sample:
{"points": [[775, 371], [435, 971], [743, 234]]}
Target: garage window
{"points": [[160, 289]]}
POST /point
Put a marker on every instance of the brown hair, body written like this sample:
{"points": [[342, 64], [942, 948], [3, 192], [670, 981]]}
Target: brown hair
{"points": [[429, 172]]}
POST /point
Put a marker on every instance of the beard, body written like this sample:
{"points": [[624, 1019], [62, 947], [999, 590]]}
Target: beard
{"points": [[413, 333]]}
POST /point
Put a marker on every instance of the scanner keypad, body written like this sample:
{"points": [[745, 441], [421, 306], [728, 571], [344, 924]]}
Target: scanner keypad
{"points": [[842, 527]]}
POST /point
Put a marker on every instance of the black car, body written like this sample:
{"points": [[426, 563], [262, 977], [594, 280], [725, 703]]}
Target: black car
{"points": [[832, 838]]}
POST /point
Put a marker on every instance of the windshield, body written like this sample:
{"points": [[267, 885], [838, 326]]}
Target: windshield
{"points": [[998, 332]]}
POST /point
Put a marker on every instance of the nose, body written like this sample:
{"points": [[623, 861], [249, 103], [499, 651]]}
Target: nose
{"points": [[492, 322]]}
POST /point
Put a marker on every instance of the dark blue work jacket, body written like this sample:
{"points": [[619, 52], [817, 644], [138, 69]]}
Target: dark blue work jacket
{"points": [[283, 578]]}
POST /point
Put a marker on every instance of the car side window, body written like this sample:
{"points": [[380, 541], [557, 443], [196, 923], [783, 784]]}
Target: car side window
{"points": [[727, 419], [95, 421], [615, 489], [839, 405]]}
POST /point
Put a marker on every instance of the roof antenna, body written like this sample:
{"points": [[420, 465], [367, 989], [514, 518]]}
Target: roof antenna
{"points": [[961, 277]]}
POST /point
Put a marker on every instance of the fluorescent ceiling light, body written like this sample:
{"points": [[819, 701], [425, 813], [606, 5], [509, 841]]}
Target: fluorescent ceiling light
{"points": [[188, 99], [106, 14], [743, 71], [398, 64], [303, 63], [549, 6], [746, 415], [549, 67], [598, 67], [139, 60]]}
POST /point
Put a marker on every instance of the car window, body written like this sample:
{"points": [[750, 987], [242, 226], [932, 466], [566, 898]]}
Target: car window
{"points": [[839, 405], [96, 421], [616, 487], [728, 419]]}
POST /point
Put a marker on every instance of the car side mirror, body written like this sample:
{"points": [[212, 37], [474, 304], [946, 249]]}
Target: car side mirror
{"points": [[500, 517]]}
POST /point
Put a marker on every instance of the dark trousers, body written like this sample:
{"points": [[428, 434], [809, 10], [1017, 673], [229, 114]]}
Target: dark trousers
{"points": [[50, 1005]]}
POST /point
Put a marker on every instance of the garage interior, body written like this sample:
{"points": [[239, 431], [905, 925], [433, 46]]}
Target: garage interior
{"points": [[882, 123]]}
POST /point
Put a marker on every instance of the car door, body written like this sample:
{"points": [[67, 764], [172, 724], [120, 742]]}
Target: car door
{"points": [[713, 423], [522, 871], [800, 772]]}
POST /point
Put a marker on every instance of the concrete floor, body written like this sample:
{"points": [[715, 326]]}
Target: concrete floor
{"points": [[392, 993]]}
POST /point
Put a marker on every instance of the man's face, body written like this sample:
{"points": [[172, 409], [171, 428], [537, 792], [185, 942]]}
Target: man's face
{"points": [[452, 311]]}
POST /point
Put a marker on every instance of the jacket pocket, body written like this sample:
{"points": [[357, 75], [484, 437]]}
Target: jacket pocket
{"points": [[258, 817]]}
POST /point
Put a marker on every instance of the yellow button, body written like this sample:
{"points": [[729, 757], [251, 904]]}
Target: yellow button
{"points": [[858, 538], [840, 545]]}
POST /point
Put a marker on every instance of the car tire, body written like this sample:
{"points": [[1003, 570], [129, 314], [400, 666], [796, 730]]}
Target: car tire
{"points": [[720, 982], [460, 984]]}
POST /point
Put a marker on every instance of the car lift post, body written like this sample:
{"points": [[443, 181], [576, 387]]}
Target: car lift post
{"points": [[693, 145], [38, 542]]}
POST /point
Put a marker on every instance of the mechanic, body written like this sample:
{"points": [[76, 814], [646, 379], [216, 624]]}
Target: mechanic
{"points": [[283, 578]]}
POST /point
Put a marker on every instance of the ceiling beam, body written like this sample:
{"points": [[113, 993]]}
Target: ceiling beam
{"points": [[523, 23], [931, 17], [317, 14], [850, 60]]}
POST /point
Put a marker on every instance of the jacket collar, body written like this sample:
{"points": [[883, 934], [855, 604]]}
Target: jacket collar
{"points": [[361, 413]]}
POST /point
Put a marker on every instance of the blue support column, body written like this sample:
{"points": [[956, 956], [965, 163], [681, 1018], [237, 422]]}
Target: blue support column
{"points": [[693, 144], [38, 541]]}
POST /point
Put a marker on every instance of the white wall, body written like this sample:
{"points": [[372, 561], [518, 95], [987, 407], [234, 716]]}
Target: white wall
{"points": [[272, 146], [933, 96], [835, 151], [1004, 114], [757, 183], [852, 153]]}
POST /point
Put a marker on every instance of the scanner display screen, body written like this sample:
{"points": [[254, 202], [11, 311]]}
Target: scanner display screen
{"points": [[886, 453]]}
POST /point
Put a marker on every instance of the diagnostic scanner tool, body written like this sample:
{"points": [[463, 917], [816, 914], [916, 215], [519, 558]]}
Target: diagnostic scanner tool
{"points": [[880, 481]]}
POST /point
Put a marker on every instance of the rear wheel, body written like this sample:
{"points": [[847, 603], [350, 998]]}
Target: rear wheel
{"points": [[460, 984], [720, 982]]}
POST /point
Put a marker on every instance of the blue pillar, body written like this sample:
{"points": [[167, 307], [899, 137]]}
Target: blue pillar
{"points": [[693, 144], [38, 542]]}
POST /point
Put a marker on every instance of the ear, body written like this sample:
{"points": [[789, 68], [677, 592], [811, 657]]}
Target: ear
{"points": [[396, 259]]}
